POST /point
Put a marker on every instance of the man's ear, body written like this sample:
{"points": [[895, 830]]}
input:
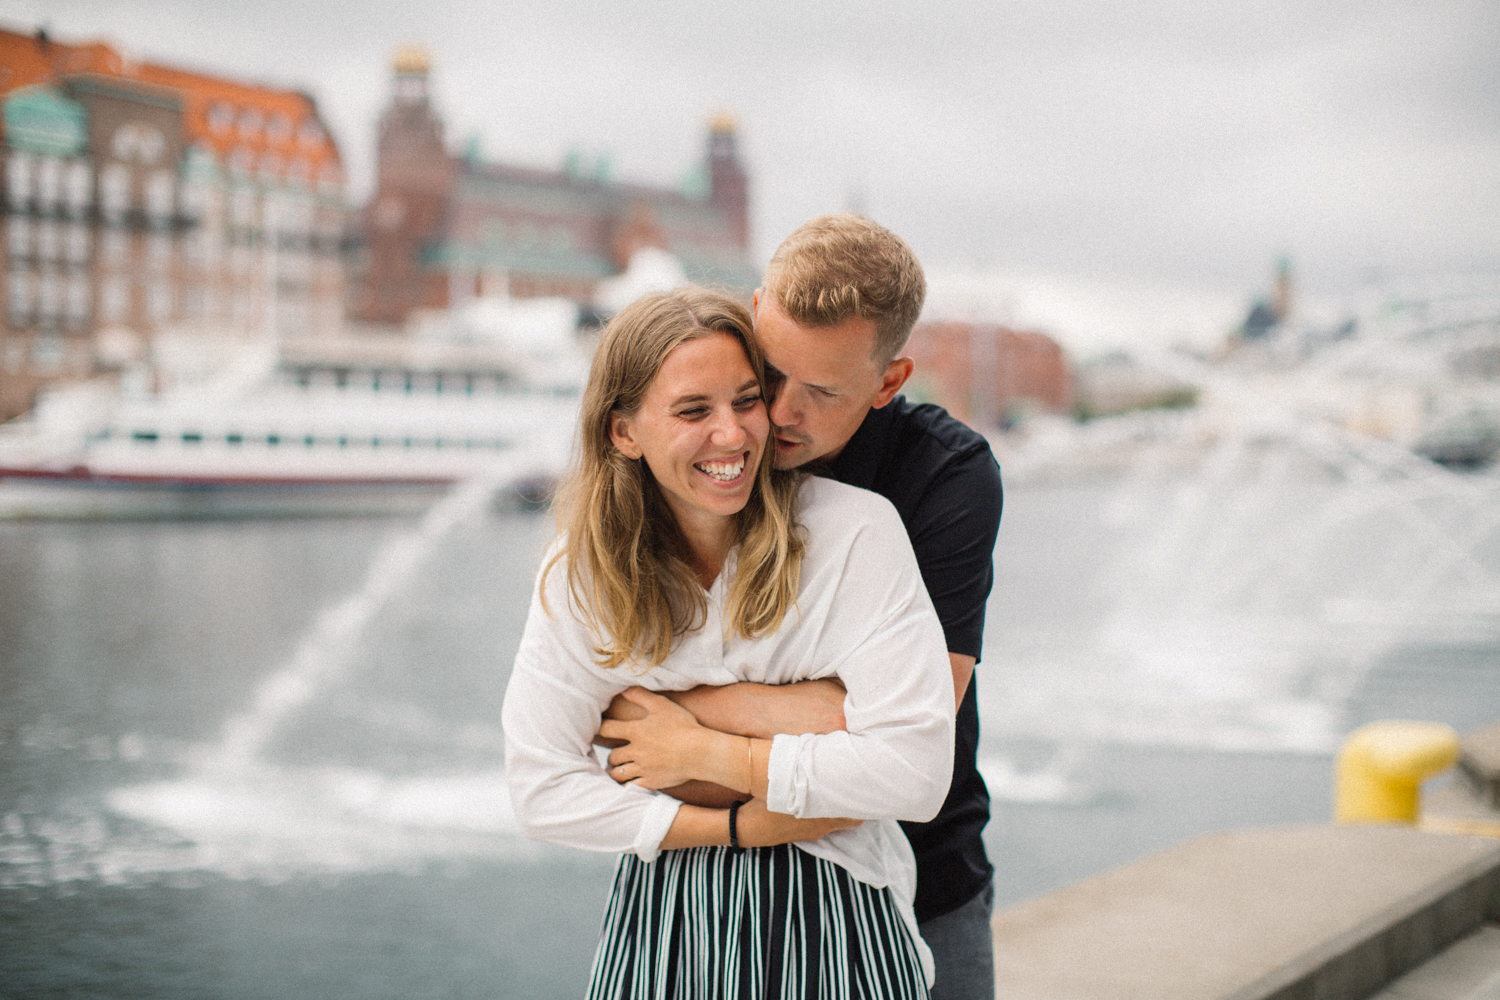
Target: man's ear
{"points": [[622, 434], [755, 305], [896, 374]]}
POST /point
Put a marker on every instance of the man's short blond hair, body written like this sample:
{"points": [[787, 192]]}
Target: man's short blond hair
{"points": [[838, 266]]}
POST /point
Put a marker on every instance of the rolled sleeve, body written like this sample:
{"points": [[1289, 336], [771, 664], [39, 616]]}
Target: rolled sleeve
{"points": [[896, 755]]}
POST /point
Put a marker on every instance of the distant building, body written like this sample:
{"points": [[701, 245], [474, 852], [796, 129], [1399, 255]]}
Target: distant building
{"points": [[141, 199], [987, 375], [443, 227]]}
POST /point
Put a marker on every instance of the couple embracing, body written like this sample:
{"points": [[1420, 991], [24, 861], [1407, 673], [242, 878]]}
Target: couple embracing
{"points": [[770, 585]]}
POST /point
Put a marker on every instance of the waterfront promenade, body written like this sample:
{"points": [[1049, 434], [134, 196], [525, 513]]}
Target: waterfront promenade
{"points": [[1294, 913]]}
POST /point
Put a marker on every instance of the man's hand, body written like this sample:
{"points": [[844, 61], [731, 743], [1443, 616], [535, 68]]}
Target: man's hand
{"points": [[661, 748], [759, 827]]}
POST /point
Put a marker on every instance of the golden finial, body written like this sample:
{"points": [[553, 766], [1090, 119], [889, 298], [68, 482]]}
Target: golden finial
{"points": [[411, 60], [723, 122]]}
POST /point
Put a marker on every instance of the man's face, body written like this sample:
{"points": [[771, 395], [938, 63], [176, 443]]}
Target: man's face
{"points": [[825, 379]]}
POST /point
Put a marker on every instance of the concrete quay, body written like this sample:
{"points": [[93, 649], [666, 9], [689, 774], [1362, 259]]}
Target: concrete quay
{"points": [[1297, 913]]}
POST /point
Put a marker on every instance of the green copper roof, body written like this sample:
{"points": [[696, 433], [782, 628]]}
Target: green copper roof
{"points": [[40, 120]]}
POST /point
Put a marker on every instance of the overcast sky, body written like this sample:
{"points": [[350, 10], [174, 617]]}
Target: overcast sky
{"points": [[1178, 145]]}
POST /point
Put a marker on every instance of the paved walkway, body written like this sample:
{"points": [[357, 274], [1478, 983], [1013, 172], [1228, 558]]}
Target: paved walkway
{"points": [[1329, 912]]}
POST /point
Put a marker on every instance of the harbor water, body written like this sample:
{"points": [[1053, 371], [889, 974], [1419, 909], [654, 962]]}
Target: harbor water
{"points": [[263, 758]]}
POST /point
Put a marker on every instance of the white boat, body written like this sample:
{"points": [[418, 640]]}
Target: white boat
{"points": [[307, 430]]}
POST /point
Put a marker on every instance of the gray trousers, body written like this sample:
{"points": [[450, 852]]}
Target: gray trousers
{"points": [[963, 950]]}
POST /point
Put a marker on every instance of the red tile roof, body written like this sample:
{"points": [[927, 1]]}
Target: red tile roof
{"points": [[229, 117]]}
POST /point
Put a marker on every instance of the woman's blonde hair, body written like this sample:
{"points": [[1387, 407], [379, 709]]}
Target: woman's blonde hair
{"points": [[627, 560]]}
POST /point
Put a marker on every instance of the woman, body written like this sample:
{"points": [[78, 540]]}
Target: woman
{"points": [[686, 559]]}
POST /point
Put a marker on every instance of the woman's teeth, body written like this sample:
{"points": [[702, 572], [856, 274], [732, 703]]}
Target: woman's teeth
{"points": [[723, 471]]}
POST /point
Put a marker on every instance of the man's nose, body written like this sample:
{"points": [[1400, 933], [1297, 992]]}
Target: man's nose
{"points": [[782, 413]]}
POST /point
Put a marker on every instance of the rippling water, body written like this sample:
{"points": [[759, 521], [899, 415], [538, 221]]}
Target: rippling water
{"points": [[263, 758]]}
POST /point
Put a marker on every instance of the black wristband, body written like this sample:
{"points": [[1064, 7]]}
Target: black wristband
{"points": [[734, 826]]}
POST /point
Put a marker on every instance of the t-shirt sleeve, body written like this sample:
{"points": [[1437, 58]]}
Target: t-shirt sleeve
{"points": [[553, 704], [953, 535]]}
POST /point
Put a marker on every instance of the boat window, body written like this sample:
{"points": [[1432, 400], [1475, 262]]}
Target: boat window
{"points": [[191, 437], [234, 438], [144, 436], [309, 440], [273, 439]]}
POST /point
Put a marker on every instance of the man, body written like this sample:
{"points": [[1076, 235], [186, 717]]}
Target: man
{"points": [[834, 313], [838, 303]]}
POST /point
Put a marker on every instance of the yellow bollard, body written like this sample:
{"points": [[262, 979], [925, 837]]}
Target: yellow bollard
{"points": [[1381, 767]]}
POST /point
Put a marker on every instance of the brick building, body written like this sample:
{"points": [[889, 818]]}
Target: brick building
{"points": [[443, 227], [987, 375], [142, 199]]}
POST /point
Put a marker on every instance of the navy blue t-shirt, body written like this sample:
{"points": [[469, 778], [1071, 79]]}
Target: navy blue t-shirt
{"points": [[943, 480]]}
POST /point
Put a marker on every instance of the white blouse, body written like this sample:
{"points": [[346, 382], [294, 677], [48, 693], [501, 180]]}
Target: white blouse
{"points": [[862, 615]]}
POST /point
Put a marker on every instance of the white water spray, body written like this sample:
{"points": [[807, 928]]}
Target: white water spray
{"points": [[322, 657]]}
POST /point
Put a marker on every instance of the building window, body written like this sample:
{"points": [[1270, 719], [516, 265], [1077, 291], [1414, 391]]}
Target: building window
{"points": [[242, 312], [159, 195], [19, 171], [139, 142], [242, 207], [48, 183], [114, 191], [192, 199], [220, 117], [47, 353], [114, 302], [113, 245], [48, 297], [80, 188], [251, 122], [18, 236], [241, 162], [239, 261], [76, 243], [78, 301], [159, 302], [194, 302], [194, 246], [310, 134], [279, 128], [159, 251], [19, 297], [48, 242]]}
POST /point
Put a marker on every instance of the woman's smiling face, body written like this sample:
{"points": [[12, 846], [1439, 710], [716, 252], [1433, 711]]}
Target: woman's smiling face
{"points": [[701, 428]]}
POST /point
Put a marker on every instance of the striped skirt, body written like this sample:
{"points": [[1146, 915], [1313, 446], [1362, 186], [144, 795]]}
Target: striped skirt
{"points": [[764, 923]]}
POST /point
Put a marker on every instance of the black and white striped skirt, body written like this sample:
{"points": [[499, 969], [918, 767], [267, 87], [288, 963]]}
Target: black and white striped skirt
{"points": [[764, 923]]}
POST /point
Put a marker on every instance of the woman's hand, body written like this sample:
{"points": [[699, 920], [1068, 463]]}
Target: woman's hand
{"points": [[663, 748], [757, 827]]}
